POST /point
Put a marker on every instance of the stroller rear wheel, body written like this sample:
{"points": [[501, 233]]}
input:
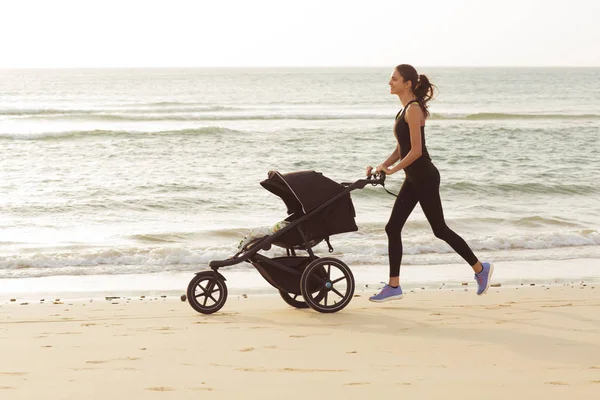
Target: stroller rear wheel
{"points": [[207, 292], [291, 299], [327, 285]]}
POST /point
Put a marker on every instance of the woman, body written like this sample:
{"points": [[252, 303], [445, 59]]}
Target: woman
{"points": [[421, 184]]}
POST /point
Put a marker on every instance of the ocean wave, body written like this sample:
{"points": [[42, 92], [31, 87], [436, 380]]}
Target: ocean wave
{"points": [[67, 135], [123, 117], [183, 237], [544, 222], [523, 188], [166, 107], [227, 113], [511, 116], [355, 248]]}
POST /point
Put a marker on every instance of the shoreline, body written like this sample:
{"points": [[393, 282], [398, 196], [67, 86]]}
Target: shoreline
{"points": [[250, 282]]}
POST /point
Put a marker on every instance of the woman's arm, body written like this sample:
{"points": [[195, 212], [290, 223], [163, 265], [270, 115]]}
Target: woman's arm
{"points": [[395, 156], [414, 115], [391, 160]]}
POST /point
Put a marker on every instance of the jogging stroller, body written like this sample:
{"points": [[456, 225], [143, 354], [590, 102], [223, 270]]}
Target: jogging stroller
{"points": [[317, 208]]}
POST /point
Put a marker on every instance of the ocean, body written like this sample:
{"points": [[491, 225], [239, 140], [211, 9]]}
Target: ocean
{"points": [[125, 172]]}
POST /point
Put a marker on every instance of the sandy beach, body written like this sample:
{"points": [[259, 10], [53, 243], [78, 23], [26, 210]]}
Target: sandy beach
{"points": [[541, 340]]}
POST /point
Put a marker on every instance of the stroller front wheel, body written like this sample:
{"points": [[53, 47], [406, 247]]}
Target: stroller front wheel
{"points": [[327, 285], [207, 292]]}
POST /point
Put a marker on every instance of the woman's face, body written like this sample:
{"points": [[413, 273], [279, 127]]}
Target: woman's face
{"points": [[397, 83]]}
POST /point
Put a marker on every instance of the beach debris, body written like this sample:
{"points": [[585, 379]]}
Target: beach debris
{"points": [[24, 304], [244, 295], [142, 297], [110, 298], [183, 297], [56, 299], [356, 295], [465, 283], [42, 300], [532, 284], [58, 302], [163, 297], [496, 285], [13, 300]]}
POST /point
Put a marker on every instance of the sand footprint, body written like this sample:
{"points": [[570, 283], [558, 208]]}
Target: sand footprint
{"points": [[246, 349], [202, 387], [116, 359], [161, 389]]}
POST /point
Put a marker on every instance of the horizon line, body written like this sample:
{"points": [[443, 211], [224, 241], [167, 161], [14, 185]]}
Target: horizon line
{"points": [[294, 66]]}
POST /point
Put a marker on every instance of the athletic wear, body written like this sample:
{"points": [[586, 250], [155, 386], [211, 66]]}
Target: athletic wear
{"points": [[484, 278], [387, 293], [422, 185]]}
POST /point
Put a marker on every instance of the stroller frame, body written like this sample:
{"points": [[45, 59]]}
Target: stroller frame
{"points": [[293, 275]]}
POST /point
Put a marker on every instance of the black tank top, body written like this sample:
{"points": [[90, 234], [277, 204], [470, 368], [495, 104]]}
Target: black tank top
{"points": [[402, 133]]}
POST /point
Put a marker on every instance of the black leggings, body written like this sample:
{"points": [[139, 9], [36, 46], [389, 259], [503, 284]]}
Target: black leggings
{"points": [[422, 185]]}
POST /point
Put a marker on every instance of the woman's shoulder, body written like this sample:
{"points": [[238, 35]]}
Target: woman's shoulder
{"points": [[413, 110]]}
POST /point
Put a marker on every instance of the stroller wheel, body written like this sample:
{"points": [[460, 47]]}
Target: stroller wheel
{"points": [[291, 299], [207, 292], [327, 285]]}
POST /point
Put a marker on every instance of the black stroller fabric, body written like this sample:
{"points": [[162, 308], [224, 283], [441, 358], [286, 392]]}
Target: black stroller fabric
{"points": [[304, 191]]}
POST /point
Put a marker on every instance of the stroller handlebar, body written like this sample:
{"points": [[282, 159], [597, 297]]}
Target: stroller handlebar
{"points": [[377, 177], [373, 179]]}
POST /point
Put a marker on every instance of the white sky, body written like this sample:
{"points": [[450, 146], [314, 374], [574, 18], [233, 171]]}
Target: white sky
{"points": [[188, 33]]}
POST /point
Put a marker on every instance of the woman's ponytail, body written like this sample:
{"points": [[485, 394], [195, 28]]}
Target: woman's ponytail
{"points": [[424, 92], [421, 87]]}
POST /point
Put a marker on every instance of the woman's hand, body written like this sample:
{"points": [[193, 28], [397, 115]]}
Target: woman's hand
{"points": [[384, 169], [369, 171]]}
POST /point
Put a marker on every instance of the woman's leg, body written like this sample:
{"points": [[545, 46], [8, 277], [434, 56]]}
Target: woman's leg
{"points": [[431, 203], [405, 203]]}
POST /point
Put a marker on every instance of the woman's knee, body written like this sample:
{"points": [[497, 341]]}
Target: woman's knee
{"points": [[392, 230], [441, 231]]}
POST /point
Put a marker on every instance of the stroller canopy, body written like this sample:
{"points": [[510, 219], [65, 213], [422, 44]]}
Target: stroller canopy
{"points": [[304, 191], [301, 191]]}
